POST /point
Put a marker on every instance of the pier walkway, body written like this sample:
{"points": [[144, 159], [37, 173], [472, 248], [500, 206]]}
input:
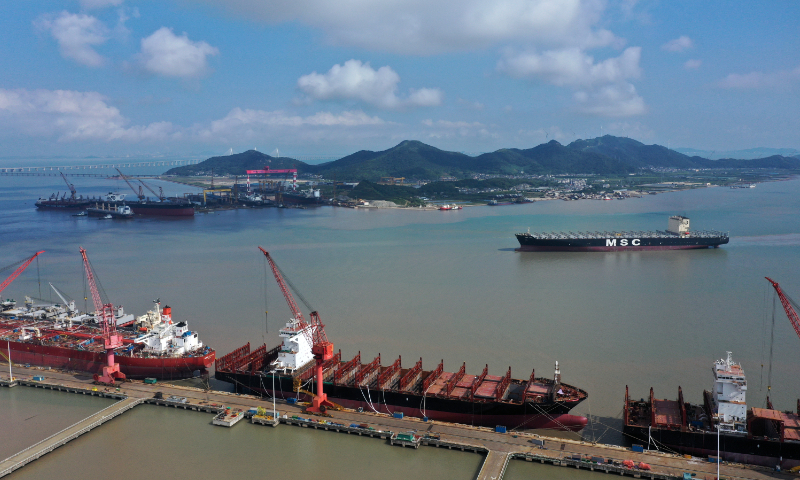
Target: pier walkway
{"points": [[70, 433], [500, 448], [494, 465]]}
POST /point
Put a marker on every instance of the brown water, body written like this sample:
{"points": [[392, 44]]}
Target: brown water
{"points": [[449, 285], [157, 442], [30, 415]]}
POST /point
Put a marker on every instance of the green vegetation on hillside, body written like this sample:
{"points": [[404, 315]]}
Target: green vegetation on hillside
{"points": [[415, 160]]}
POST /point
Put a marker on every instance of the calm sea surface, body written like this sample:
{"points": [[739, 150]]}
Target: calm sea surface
{"points": [[430, 284]]}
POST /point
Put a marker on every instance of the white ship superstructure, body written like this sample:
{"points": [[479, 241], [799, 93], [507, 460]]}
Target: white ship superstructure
{"points": [[163, 337], [295, 350], [728, 396]]}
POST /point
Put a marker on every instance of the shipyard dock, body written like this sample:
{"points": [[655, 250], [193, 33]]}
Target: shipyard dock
{"points": [[499, 449]]}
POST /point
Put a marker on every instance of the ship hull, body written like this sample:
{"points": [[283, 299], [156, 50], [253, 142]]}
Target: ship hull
{"points": [[62, 205], [162, 209], [488, 414], [166, 368], [299, 199], [616, 244], [733, 448]]}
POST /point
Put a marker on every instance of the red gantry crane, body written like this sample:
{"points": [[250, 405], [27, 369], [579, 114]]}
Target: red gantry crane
{"points": [[267, 171], [314, 331], [787, 306], [111, 339], [18, 271]]}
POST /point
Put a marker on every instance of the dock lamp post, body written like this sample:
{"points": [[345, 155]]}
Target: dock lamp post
{"points": [[274, 412]]}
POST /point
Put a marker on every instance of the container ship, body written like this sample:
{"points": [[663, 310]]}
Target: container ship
{"points": [[676, 237], [59, 336], [761, 436]]}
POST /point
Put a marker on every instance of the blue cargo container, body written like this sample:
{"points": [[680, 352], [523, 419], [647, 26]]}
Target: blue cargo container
{"points": [[291, 401], [397, 414], [637, 448], [500, 429]]}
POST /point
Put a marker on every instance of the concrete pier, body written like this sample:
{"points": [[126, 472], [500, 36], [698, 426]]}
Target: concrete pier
{"points": [[68, 434], [500, 448], [494, 465]]}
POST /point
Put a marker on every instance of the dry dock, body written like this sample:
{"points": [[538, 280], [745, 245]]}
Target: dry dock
{"points": [[500, 448]]}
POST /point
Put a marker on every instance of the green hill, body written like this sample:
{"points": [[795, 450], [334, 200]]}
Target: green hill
{"points": [[238, 164], [415, 160]]}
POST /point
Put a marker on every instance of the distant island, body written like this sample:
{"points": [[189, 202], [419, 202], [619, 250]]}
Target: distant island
{"points": [[414, 160]]}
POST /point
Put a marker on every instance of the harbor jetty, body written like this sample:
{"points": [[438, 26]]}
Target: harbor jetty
{"points": [[500, 449]]}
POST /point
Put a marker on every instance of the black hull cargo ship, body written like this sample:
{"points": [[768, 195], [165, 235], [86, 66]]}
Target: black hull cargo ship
{"points": [[761, 436], [676, 237], [483, 400]]}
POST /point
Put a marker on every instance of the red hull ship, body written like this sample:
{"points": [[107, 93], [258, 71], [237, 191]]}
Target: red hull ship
{"points": [[58, 336]]}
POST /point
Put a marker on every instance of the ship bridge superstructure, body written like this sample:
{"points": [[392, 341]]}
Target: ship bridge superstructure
{"points": [[295, 351], [728, 397]]}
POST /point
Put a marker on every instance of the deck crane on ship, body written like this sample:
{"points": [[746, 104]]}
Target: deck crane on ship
{"points": [[313, 332], [18, 271], [787, 305], [111, 339]]}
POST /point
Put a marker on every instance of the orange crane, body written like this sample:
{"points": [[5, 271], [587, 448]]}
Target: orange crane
{"points": [[787, 306], [314, 331], [111, 339], [18, 271]]}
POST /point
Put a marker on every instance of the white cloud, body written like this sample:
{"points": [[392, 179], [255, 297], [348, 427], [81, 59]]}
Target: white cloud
{"points": [[692, 64], [164, 53], [93, 4], [247, 123], [71, 115], [755, 80], [679, 44], [601, 88], [420, 28], [359, 81], [451, 129], [76, 34], [617, 100], [573, 67]]}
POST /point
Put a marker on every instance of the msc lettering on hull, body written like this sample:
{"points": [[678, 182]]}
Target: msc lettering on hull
{"points": [[623, 242]]}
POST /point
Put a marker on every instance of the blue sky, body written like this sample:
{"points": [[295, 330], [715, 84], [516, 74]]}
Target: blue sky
{"points": [[119, 77]]}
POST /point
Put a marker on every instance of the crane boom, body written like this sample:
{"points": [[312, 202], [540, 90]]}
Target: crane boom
{"points": [[111, 339], [139, 193], [71, 186], [314, 332], [18, 271], [159, 196], [787, 306]]}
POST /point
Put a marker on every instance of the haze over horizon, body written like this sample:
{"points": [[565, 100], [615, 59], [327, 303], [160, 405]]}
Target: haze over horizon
{"points": [[119, 77]]}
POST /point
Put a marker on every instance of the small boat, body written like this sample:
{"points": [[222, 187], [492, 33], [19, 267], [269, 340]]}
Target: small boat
{"points": [[81, 214], [106, 217], [445, 207]]}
